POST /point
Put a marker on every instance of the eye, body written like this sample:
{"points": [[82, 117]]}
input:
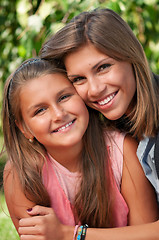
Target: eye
{"points": [[77, 79], [103, 67], [64, 97], [39, 111]]}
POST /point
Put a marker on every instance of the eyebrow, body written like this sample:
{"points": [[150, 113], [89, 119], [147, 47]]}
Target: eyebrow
{"points": [[95, 66], [65, 89], [58, 94], [34, 107]]}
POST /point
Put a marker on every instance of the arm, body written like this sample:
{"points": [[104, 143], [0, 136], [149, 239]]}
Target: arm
{"points": [[136, 189], [17, 202], [139, 232], [145, 210], [47, 225]]}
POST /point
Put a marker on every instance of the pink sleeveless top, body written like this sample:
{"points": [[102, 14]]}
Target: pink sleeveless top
{"points": [[62, 184]]}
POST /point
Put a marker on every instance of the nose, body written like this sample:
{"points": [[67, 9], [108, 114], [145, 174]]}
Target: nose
{"points": [[95, 87], [57, 113]]}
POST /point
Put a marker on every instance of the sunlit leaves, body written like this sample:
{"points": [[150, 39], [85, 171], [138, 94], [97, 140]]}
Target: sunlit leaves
{"points": [[24, 25]]}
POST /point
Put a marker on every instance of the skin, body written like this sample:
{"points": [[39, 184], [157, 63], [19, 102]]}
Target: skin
{"points": [[55, 115], [48, 109], [51, 105], [104, 83], [43, 224]]}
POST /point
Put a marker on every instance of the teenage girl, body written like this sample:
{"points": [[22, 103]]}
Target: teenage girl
{"points": [[109, 70], [108, 67], [61, 155]]}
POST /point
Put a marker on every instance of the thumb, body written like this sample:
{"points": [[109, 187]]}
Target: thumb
{"points": [[40, 211]]}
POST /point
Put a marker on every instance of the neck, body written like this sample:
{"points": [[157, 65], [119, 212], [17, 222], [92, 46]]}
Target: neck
{"points": [[70, 158]]}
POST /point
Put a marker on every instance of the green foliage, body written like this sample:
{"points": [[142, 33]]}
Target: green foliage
{"points": [[26, 24], [7, 230]]}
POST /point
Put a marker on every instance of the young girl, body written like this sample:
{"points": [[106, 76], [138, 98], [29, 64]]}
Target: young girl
{"points": [[58, 160], [109, 70]]}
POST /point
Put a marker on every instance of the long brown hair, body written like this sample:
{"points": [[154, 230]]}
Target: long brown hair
{"points": [[111, 35], [94, 202]]}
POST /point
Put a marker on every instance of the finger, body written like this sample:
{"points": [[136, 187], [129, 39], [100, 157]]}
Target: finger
{"points": [[36, 230], [39, 210], [27, 231], [31, 237], [30, 221]]}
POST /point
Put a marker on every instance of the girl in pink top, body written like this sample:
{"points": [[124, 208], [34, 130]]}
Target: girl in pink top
{"points": [[61, 155]]}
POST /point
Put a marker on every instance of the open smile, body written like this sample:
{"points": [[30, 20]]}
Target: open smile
{"points": [[65, 126], [107, 99]]}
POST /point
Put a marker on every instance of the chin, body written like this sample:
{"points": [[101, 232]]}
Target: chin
{"points": [[112, 117]]}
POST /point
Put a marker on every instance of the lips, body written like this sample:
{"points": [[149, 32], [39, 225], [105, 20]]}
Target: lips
{"points": [[64, 127], [107, 99]]}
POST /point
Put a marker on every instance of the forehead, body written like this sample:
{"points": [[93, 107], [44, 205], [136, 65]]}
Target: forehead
{"points": [[47, 80], [85, 49], [44, 86], [43, 90], [87, 54]]}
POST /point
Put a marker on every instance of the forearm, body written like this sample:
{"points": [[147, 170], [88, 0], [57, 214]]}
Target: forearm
{"points": [[148, 231]]}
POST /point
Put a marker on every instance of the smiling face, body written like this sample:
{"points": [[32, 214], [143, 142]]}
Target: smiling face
{"points": [[104, 83], [53, 112]]}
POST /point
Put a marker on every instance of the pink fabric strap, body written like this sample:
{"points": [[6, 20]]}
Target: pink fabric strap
{"points": [[75, 232]]}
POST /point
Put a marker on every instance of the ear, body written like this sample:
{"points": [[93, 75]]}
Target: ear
{"points": [[24, 130]]}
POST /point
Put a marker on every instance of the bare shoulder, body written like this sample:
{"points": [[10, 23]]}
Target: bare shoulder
{"points": [[16, 200], [8, 177], [130, 145], [136, 189]]}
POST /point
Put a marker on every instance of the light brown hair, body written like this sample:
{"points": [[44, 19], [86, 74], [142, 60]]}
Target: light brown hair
{"points": [[93, 203], [111, 35]]}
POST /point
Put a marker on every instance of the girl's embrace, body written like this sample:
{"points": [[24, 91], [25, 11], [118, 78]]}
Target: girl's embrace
{"points": [[62, 155]]}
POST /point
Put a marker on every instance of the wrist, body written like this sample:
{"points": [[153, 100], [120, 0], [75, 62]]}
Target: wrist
{"points": [[68, 232]]}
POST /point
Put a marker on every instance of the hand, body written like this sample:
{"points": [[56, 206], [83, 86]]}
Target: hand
{"points": [[43, 225]]}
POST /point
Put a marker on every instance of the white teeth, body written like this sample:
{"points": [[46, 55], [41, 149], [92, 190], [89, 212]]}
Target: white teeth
{"points": [[108, 99], [67, 125]]}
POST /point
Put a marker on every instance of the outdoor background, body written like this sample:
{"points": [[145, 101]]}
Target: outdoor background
{"points": [[26, 24]]}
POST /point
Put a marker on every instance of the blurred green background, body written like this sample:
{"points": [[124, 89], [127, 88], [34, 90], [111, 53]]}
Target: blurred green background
{"points": [[26, 24]]}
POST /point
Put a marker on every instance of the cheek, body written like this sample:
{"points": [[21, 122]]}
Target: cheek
{"points": [[131, 83], [82, 91], [85, 114], [38, 126], [127, 82], [81, 108]]}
